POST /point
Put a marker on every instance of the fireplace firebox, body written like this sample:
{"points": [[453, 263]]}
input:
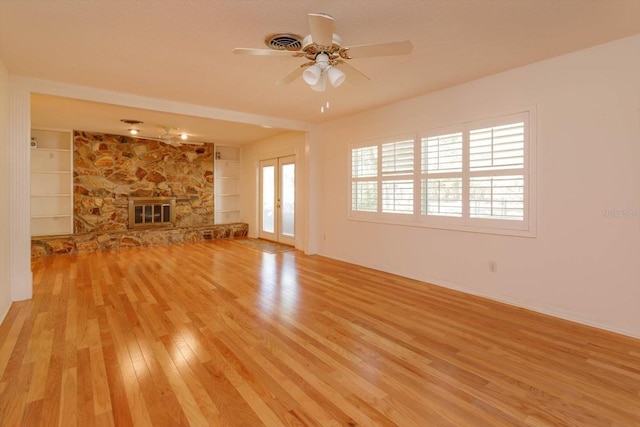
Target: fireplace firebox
{"points": [[152, 212]]}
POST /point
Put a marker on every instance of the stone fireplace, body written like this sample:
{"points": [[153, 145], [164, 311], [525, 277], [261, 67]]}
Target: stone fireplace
{"points": [[110, 171], [132, 192]]}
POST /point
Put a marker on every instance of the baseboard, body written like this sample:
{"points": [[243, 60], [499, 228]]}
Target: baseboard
{"points": [[571, 317]]}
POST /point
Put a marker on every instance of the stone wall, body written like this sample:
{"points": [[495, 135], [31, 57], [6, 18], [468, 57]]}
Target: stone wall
{"points": [[110, 168]]}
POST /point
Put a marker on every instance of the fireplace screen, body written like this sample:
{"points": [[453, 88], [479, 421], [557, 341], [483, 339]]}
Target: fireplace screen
{"points": [[152, 212]]}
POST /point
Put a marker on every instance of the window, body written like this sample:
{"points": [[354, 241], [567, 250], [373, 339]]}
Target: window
{"points": [[382, 177], [496, 168], [473, 176], [364, 185], [441, 181], [397, 176]]}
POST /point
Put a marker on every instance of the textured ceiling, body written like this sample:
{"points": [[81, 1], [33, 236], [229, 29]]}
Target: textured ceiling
{"points": [[182, 50]]}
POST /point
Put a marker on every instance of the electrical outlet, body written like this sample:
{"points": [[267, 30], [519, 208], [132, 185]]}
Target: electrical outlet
{"points": [[493, 266]]}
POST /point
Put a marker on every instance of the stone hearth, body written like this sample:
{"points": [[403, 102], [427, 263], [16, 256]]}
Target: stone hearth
{"points": [[116, 240]]}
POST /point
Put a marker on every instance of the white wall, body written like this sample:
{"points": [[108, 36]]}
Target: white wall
{"points": [[287, 144], [5, 285], [582, 265]]}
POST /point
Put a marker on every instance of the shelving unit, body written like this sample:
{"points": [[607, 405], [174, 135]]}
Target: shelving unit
{"points": [[226, 188], [51, 182]]}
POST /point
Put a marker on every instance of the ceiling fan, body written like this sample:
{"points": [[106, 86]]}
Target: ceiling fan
{"points": [[167, 136], [326, 55]]}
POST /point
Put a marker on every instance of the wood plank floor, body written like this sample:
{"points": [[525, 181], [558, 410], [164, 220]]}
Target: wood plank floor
{"points": [[220, 334]]}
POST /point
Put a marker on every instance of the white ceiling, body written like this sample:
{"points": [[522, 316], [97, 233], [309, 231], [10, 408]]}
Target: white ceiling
{"points": [[181, 51]]}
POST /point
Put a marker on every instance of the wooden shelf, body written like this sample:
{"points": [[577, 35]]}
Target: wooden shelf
{"points": [[226, 184], [51, 182]]}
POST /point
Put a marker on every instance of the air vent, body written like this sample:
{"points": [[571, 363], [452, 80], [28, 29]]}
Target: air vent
{"points": [[284, 41]]}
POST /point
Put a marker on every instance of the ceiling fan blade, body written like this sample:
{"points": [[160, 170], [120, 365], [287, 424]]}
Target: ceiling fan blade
{"points": [[174, 141], [177, 142], [380, 49], [291, 76], [321, 27], [352, 74], [149, 138], [265, 52]]}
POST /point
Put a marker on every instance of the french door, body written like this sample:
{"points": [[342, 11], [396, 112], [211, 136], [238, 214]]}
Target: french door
{"points": [[277, 199]]}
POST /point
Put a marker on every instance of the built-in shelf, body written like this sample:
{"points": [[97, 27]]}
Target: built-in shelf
{"points": [[226, 188], [51, 172], [51, 182]]}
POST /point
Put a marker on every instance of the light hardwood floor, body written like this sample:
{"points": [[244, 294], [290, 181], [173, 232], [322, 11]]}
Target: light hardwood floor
{"points": [[220, 334]]}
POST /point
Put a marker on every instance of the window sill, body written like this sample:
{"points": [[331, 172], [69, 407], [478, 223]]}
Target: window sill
{"points": [[410, 221]]}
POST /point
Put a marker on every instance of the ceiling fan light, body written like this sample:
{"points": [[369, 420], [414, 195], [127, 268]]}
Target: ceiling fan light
{"points": [[336, 76], [321, 84], [184, 136], [312, 75], [134, 131]]}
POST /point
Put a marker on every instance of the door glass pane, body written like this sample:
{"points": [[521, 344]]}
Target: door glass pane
{"points": [[268, 192], [288, 199]]}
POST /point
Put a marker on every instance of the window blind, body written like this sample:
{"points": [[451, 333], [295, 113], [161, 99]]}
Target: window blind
{"points": [[397, 158], [442, 153], [364, 162], [499, 147]]}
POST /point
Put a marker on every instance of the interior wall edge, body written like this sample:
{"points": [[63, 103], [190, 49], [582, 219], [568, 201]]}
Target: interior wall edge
{"points": [[5, 277], [21, 278]]}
